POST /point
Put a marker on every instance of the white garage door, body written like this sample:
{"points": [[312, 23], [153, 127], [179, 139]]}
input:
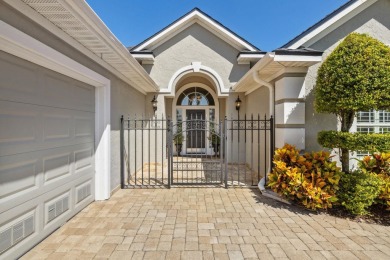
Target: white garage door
{"points": [[46, 152]]}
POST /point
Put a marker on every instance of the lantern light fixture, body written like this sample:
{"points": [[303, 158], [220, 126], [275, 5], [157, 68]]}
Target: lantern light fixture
{"points": [[154, 104], [238, 103]]}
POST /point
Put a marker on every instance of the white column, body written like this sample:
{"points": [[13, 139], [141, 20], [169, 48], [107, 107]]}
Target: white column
{"points": [[290, 111]]}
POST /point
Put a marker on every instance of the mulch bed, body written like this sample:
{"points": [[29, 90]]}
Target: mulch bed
{"points": [[378, 215]]}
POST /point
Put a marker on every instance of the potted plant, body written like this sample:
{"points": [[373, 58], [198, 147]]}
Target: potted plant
{"points": [[215, 140], [178, 140]]}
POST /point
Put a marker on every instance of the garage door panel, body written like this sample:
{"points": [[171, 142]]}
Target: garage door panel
{"points": [[19, 80], [56, 126], [56, 166], [19, 229], [18, 178], [83, 97], [32, 174], [37, 218], [25, 128], [25, 82], [17, 125], [47, 149], [83, 159], [67, 93], [84, 126]]}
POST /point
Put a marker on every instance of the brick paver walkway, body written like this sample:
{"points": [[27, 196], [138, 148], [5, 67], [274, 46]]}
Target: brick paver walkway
{"points": [[208, 223]]}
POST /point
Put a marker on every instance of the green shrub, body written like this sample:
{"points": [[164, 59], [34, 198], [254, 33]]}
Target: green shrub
{"points": [[384, 195], [354, 141], [379, 163], [354, 77], [358, 191], [310, 179]]}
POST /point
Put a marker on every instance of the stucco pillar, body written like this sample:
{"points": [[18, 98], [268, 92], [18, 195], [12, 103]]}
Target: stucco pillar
{"points": [[290, 111]]}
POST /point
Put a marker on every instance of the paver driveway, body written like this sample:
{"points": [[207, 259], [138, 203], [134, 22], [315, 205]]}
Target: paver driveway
{"points": [[209, 223]]}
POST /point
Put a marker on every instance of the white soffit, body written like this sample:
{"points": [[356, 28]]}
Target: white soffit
{"points": [[195, 16], [79, 21], [331, 24]]}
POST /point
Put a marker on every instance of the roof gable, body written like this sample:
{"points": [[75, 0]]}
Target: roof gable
{"points": [[329, 23], [204, 20]]}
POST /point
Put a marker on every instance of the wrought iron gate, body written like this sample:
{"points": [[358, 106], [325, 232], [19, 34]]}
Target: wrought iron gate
{"points": [[195, 152], [155, 152]]}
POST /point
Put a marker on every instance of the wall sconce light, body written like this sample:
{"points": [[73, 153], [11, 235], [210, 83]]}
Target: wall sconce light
{"points": [[238, 103], [154, 104]]}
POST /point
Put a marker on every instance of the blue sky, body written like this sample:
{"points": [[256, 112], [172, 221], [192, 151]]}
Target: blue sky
{"points": [[268, 24]]}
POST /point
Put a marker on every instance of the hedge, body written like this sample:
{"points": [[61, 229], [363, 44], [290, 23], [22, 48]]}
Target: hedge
{"points": [[355, 141]]}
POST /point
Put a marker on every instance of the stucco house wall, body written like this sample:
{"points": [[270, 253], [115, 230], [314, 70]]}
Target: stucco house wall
{"points": [[257, 104], [375, 21], [124, 98], [195, 44]]}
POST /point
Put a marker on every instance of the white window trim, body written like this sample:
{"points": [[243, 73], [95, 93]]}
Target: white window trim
{"points": [[24, 46]]}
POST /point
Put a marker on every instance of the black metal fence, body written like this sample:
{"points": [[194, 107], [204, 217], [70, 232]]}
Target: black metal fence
{"points": [[250, 146], [233, 152], [143, 152]]}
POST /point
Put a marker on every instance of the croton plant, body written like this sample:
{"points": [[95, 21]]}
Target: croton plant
{"points": [[310, 179]]}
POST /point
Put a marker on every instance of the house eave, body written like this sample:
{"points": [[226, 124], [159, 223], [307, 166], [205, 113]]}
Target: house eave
{"points": [[248, 57], [272, 66], [105, 49], [192, 17], [329, 23], [143, 57]]}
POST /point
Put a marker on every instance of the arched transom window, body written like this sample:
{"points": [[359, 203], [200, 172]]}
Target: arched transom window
{"points": [[195, 96]]}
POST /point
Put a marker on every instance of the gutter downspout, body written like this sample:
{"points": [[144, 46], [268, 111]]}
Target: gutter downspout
{"points": [[270, 87]]}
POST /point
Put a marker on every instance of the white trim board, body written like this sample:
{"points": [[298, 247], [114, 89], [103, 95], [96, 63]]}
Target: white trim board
{"points": [[194, 17], [331, 24], [195, 67], [24, 46]]}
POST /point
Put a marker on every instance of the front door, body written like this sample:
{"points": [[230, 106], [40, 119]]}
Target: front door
{"points": [[196, 138]]}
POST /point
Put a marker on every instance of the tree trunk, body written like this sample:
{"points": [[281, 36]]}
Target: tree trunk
{"points": [[346, 124], [345, 160]]}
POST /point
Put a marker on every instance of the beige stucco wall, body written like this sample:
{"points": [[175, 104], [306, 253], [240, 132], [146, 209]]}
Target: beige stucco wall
{"points": [[257, 104], [124, 98], [375, 21], [196, 44]]}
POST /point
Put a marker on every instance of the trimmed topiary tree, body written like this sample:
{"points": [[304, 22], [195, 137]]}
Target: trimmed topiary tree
{"points": [[355, 77]]}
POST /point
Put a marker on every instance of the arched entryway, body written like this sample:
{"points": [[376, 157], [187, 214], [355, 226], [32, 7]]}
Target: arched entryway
{"points": [[196, 101]]}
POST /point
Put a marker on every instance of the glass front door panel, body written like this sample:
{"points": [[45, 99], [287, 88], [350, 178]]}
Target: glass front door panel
{"points": [[195, 134]]}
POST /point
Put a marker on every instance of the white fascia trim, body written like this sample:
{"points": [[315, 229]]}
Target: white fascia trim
{"points": [[85, 13], [250, 56], [298, 58], [24, 46], [195, 15], [243, 59], [148, 57], [336, 19], [240, 85]]}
